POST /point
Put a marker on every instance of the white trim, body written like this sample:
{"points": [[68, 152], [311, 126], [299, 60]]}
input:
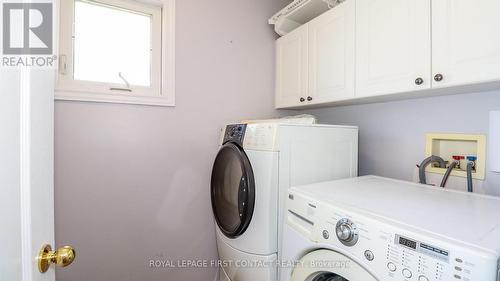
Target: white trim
{"points": [[168, 52], [25, 174], [164, 76], [109, 98]]}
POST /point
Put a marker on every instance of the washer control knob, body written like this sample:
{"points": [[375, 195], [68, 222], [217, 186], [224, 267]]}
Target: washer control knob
{"points": [[407, 273], [391, 266], [344, 232], [347, 232]]}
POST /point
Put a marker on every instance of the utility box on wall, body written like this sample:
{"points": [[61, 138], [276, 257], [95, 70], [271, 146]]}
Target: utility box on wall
{"points": [[458, 147]]}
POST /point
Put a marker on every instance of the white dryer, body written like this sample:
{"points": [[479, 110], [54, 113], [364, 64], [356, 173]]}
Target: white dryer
{"points": [[251, 174], [376, 229]]}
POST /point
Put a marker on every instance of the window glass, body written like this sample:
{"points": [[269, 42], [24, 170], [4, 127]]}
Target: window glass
{"points": [[111, 45]]}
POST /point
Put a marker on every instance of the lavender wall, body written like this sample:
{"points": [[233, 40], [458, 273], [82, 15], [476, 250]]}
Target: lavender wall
{"points": [[392, 134], [132, 182]]}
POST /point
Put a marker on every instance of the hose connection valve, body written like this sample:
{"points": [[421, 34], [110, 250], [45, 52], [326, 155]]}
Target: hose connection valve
{"points": [[457, 159], [472, 158]]}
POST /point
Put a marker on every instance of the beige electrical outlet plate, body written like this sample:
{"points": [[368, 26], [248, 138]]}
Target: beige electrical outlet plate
{"points": [[447, 145]]}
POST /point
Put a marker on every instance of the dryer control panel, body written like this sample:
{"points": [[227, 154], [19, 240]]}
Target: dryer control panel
{"points": [[392, 251], [235, 133]]}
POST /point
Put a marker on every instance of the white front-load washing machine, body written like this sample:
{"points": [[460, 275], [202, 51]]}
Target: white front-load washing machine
{"points": [[253, 169], [376, 229]]}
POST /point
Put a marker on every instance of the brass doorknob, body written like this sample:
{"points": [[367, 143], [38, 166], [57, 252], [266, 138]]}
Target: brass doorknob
{"points": [[63, 257]]}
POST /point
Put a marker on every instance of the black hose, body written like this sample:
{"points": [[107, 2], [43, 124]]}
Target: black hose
{"points": [[470, 165], [425, 163], [448, 172]]}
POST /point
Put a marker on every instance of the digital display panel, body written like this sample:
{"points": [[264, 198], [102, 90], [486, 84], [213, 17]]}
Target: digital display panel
{"points": [[423, 248], [408, 243]]}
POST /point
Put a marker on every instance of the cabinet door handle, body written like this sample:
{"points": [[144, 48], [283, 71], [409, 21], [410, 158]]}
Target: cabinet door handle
{"points": [[302, 100], [309, 98], [419, 81], [438, 77]]}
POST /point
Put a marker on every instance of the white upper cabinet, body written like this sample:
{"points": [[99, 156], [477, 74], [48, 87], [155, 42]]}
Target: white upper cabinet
{"points": [[315, 62], [332, 55], [361, 50], [393, 46], [465, 42], [291, 68]]}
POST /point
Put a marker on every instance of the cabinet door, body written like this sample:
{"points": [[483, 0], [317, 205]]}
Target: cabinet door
{"points": [[331, 54], [291, 68], [393, 46], [465, 41]]}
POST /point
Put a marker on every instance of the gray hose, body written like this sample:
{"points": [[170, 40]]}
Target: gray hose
{"points": [[425, 163], [448, 172], [470, 165]]}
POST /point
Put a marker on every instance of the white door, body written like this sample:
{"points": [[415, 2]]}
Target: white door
{"points": [[465, 41], [291, 68], [26, 172], [393, 46], [26, 167], [331, 55]]}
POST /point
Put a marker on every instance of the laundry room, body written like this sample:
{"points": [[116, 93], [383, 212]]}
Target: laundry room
{"points": [[269, 140]]}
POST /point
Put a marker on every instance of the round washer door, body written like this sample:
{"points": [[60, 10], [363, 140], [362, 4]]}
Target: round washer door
{"points": [[328, 265], [232, 190]]}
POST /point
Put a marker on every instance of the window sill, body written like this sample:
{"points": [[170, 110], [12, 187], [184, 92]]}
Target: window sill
{"points": [[110, 98]]}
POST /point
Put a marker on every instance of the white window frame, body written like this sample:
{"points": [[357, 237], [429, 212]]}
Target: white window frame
{"points": [[162, 87]]}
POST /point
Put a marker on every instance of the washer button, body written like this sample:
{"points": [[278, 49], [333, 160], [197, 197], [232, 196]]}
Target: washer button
{"points": [[407, 273], [369, 255], [423, 278], [326, 235], [391, 266]]}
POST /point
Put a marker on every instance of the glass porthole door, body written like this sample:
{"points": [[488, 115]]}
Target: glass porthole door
{"points": [[328, 265], [232, 190]]}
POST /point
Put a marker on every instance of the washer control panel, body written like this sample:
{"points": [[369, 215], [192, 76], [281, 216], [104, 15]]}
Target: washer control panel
{"points": [[420, 261], [396, 252]]}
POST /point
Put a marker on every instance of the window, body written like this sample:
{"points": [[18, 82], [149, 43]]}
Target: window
{"points": [[116, 51]]}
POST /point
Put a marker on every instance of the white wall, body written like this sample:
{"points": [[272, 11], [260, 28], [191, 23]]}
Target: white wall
{"points": [[392, 134], [132, 182]]}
